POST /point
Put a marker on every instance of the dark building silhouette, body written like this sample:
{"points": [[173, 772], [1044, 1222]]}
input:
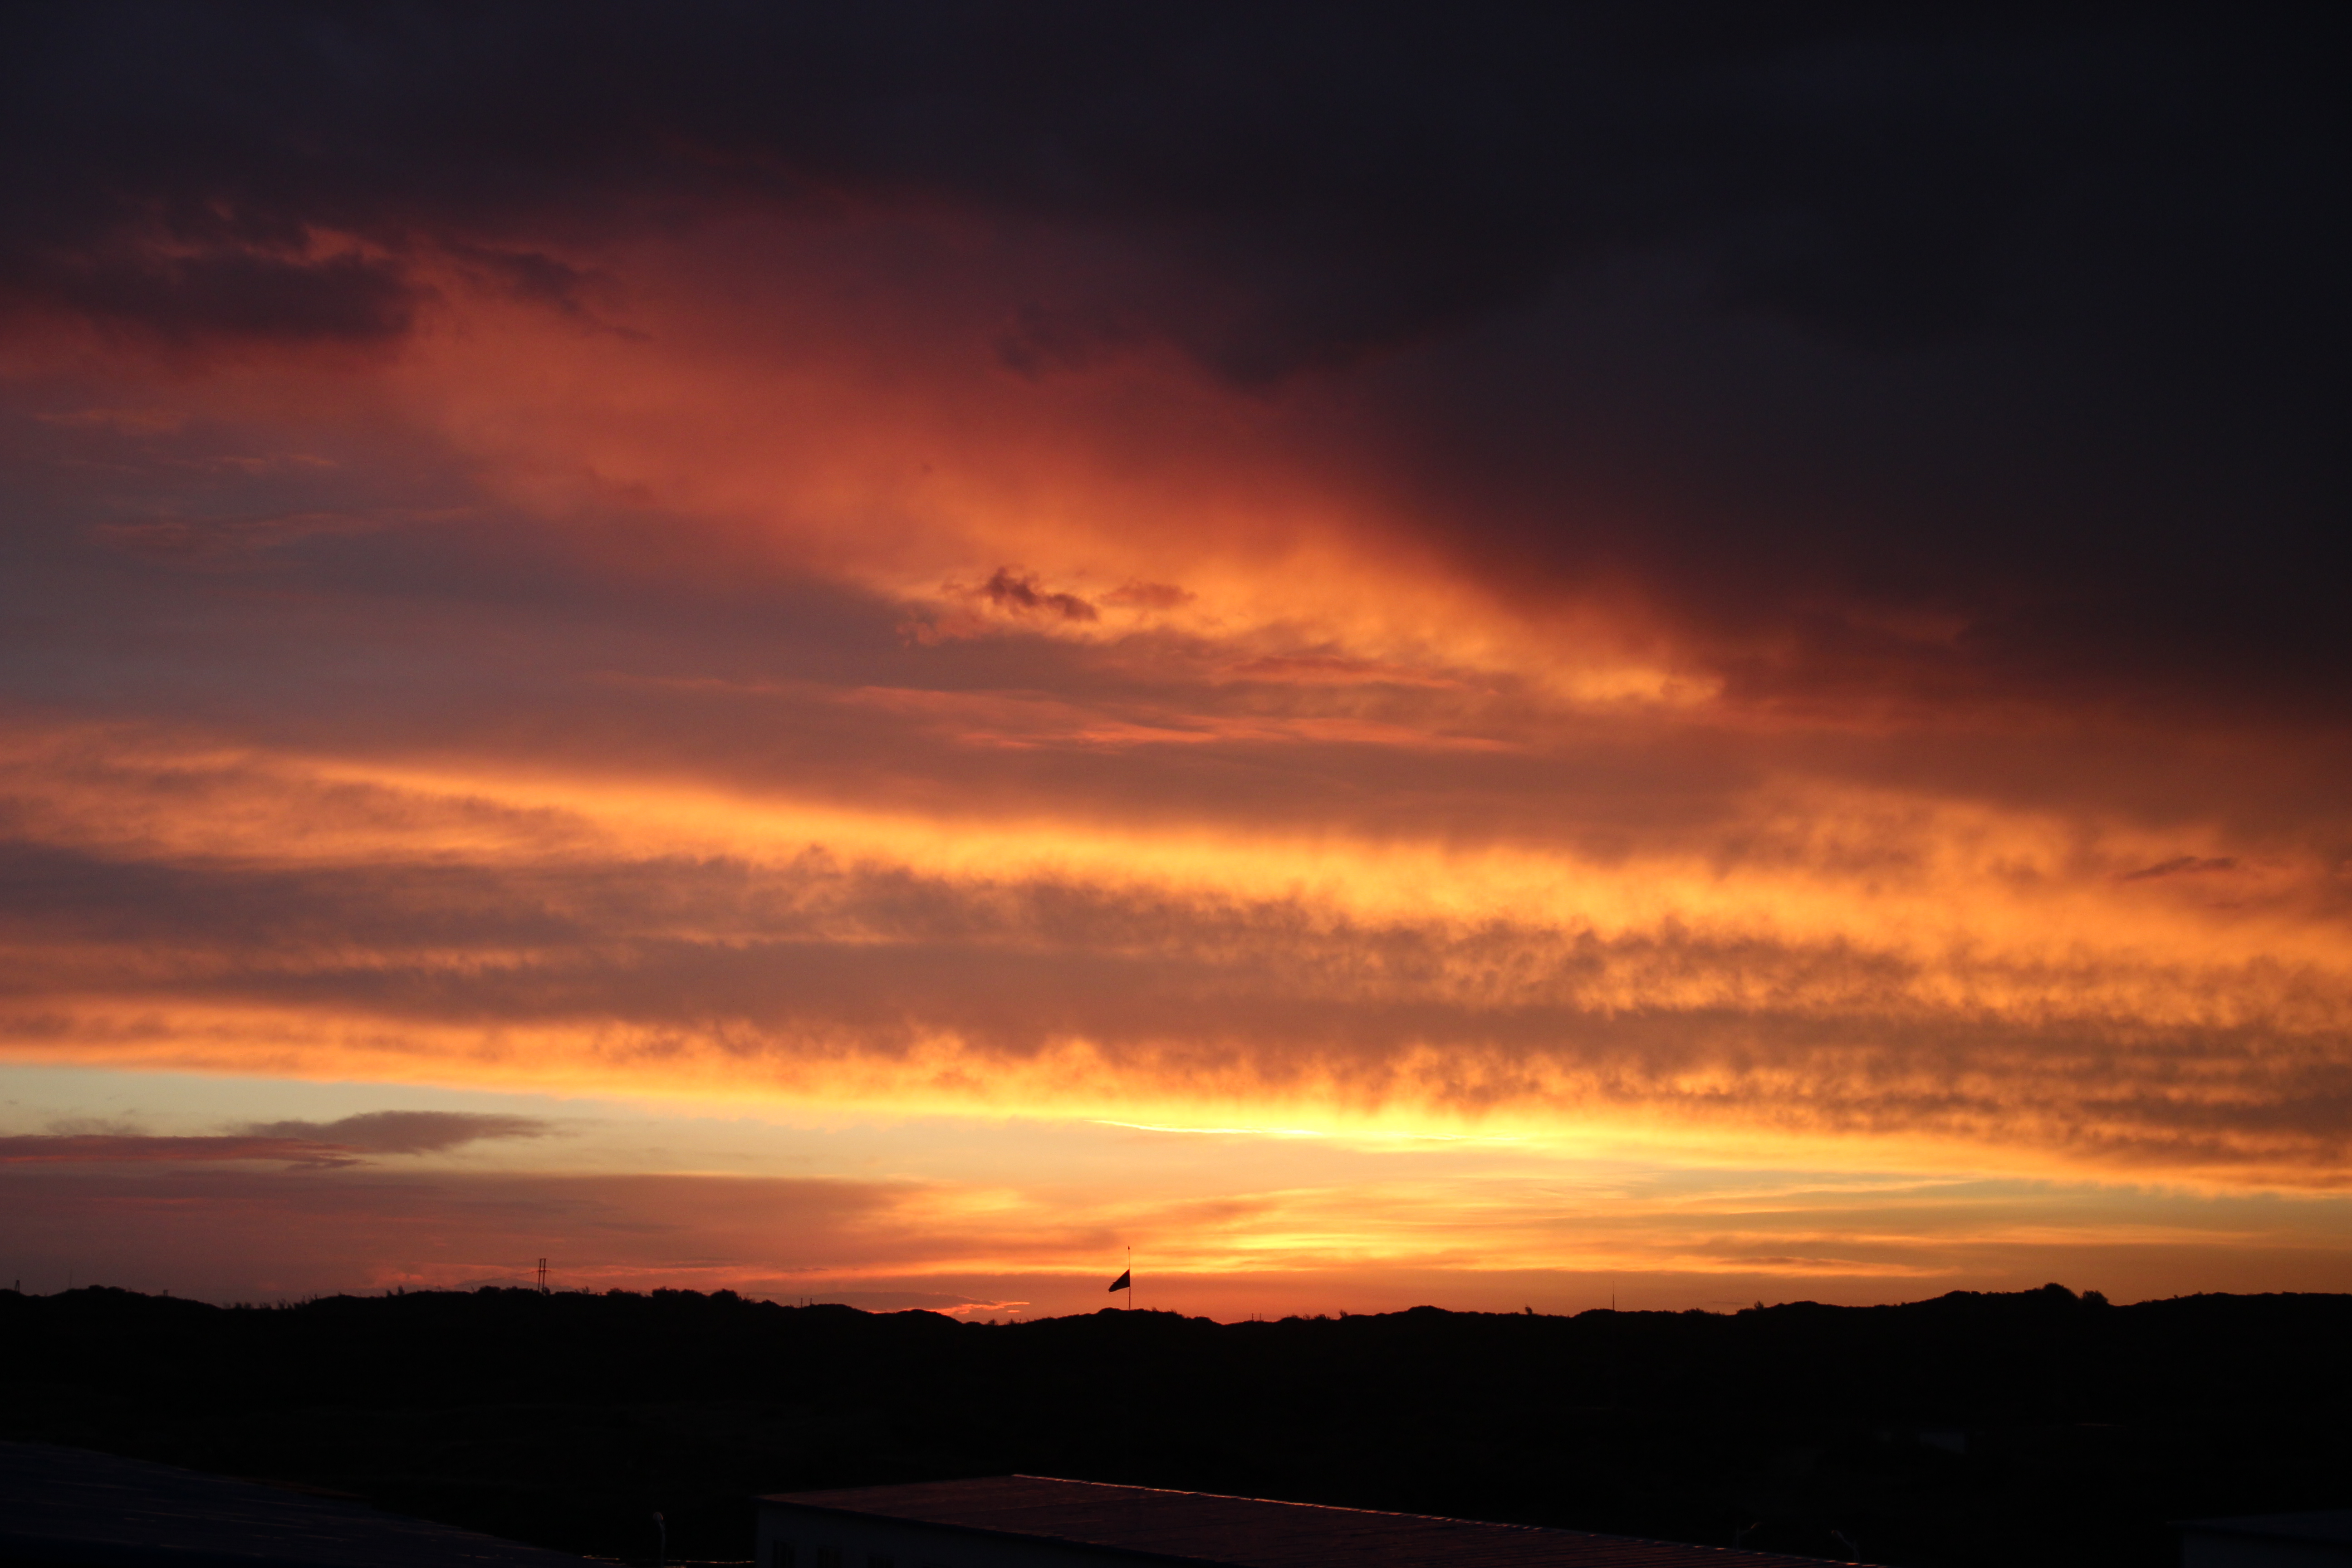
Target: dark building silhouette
{"points": [[2269, 1540], [1035, 1522]]}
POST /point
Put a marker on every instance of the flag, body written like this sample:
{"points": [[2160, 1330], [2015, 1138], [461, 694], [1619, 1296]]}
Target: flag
{"points": [[1123, 1282]]}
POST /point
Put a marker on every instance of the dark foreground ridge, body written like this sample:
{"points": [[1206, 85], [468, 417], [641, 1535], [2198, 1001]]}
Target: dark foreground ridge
{"points": [[2013, 1429]]}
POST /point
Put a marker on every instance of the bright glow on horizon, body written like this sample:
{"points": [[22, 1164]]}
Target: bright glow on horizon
{"points": [[914, 827]]}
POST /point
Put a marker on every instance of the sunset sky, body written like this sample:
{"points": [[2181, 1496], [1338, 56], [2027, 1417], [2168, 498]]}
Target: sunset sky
{"points": [[1500, 657]]}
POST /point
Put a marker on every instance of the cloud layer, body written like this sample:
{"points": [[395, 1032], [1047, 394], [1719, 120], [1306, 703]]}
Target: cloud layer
{"points": [[309, 1144], [1758, 586], [1950, 981], [1809, 330]]}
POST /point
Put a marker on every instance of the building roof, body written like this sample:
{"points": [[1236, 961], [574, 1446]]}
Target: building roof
{"points": [[1253, 1532], [70, 1506], [2333, 1526]]}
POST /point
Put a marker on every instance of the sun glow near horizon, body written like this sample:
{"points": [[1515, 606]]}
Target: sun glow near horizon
{"points": [[1163, 700]]}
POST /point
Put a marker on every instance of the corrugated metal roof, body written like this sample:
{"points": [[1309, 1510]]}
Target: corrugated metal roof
{"points": [[71, 1506], [1255, 1533]]}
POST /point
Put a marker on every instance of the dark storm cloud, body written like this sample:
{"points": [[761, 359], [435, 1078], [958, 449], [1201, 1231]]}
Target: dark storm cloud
{"points": [[1813, 324], [1349, 176]]}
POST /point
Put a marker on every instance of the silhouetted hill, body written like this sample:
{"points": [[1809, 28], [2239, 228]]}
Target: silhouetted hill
{"points": [[566, 1419]]}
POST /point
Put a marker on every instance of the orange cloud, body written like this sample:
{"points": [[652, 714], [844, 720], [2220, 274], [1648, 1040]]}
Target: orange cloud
{"points": [[1049, 617], [1973, 986], [772, 695]]}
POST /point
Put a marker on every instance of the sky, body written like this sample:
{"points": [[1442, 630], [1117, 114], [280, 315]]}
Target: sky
{"points": [[1665, 654]]}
